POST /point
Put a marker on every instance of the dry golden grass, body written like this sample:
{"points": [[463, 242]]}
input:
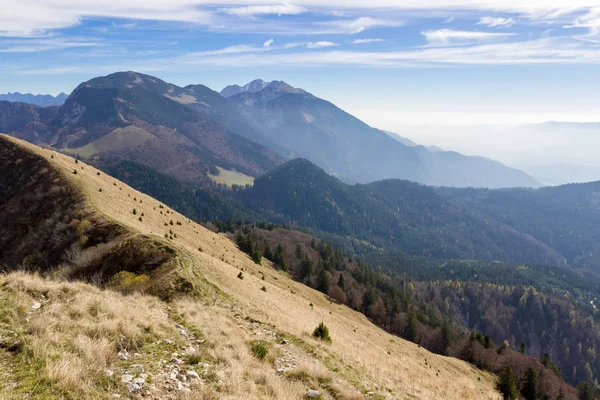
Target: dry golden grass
{"points": [[363, 356], [75, 334], [238, 374]]}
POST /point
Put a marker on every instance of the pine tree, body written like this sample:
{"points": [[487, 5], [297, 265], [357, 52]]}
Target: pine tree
{"points": [[530, 385], [585, 391], [256, 256], [522, 348], [446, 334], [342, 283], [411, 327], [507, 384], [306, 269], [268, 254], [488, 343], [323, 281], [279, 258]]}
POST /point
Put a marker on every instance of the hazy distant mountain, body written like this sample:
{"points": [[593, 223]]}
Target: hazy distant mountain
{"points": [[401, 139], [407, 142], [258, 85], [560, 174], [252, 87], [42, 100], [549, 143], [346, 147], [569, 125]]}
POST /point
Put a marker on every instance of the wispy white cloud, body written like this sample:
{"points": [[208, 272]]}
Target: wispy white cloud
{"points": [[268, 43], [32, 17], [307, 45], [445, 37], [532, 52], [28, 18], [496, 22], [304, 27], [540, 51], [131, 25], [225, 51], [45, 44], [366, 41], [293, 45], [252, 11], [590, 21], [320, 45], [354, 26]]}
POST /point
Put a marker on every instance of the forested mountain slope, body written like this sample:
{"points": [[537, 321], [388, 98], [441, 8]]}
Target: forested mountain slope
{"points": [[551, 326], [390, 215], [566, 218]]}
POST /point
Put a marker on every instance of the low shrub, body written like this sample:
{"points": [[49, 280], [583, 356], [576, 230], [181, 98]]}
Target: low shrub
{"points": [[127, 282], [260, 349], [322, 332]]}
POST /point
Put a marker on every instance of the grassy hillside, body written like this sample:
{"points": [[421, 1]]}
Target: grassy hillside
{"points": [[230, 178], [74, 340]]}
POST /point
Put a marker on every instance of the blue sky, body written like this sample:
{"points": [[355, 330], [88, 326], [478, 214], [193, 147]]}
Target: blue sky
{"points": [[390, 62]]}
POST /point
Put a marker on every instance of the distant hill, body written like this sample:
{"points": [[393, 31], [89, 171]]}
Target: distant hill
{"points": [[562, 174], [566, 218], [389, 214], [42, 100], [349, 149]]}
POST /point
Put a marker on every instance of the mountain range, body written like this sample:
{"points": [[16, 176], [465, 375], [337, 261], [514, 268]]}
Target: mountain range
{"points": [[144, 119], [188, 132], [42, 100]]}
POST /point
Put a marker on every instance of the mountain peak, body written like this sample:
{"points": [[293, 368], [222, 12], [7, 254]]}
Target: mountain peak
{"points": [[259, 85], [125, 79]]}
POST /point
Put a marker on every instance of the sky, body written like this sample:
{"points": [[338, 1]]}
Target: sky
{"points": [[393, 63]]}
